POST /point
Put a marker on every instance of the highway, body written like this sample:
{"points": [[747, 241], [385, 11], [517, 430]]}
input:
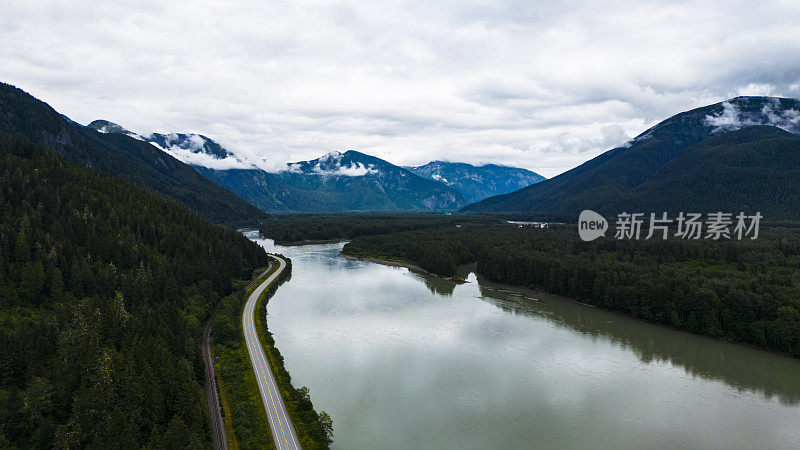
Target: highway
{"points": [[283, 432]]}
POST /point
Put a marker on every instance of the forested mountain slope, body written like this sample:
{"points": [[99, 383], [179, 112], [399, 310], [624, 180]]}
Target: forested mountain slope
{"points": [[104, 288], [752, 169]]}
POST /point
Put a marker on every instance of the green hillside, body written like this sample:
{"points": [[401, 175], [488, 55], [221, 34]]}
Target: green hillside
{"points": [[752, 169], [104, 288]]}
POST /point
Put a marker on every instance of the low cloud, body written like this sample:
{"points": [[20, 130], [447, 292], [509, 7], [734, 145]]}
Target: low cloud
{"points": [[732, 118], [205, 160], [330, 164], [353, 170]]}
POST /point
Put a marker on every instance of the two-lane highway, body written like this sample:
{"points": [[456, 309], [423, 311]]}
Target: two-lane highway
{"points": [[283, 432]]}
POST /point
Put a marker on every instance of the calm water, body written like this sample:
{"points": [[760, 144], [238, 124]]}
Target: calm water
{"points": [[402, 360]]}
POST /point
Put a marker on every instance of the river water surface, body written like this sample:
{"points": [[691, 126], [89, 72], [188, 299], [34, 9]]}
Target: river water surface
{"points": [[404, 360]]}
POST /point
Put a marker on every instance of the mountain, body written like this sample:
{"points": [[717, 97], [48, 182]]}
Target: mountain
{"points": [[119, 152], [105, 287], [349, 181], [365, 182], [608, 183], [104, 126], [478, 182]]}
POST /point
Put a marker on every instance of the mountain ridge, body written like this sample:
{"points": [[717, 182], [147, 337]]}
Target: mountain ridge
{"points": [[477, 182], [350, 180]]}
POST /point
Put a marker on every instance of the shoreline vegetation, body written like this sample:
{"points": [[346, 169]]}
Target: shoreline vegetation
{"points": [[243, 409], [313, 228]]}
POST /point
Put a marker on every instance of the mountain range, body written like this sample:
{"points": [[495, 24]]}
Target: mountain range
{"points": [[737, 155], [349, 181], [119, 153]]}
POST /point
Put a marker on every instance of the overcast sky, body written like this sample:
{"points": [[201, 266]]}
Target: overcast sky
{"points": [[524, 83]]}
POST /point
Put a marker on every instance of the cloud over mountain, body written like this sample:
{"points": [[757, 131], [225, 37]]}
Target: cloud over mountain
{"points": [[535, 84]]}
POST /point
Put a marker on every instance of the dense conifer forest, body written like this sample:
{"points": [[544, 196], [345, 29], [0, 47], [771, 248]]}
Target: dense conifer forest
{"points": [[745, 291], [104, 289]]}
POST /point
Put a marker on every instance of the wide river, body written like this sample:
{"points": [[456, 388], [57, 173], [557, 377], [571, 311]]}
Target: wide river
{"points": [[403, 360]]}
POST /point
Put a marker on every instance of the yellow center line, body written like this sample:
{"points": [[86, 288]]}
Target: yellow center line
{"points": [[261, 364]]}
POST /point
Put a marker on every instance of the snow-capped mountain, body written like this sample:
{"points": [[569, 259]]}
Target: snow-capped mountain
{"points": [[190, 148], [195, 143], [333, 164], [478, 182], [336, 181]]}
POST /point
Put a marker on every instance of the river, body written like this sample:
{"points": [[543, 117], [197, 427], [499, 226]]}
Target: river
{"points": [[405, 360]]}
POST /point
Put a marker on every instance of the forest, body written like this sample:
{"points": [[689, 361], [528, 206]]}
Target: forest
{"points": [[744, 291], [290, 228], [104, 290]]}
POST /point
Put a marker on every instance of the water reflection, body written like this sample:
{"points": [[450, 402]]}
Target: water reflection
{"points": [[437, 285], [741, 367]]}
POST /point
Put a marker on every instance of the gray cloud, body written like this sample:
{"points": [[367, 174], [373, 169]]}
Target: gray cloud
{"points": [[534, 84]]}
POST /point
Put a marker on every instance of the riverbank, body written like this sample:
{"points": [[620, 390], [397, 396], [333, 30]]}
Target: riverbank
{"points": [[314, 430]]}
